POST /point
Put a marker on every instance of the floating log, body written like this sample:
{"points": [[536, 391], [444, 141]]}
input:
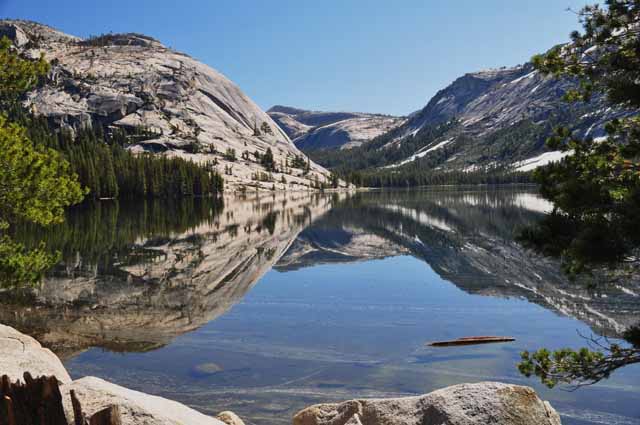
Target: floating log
{"points": [[472, 340]]}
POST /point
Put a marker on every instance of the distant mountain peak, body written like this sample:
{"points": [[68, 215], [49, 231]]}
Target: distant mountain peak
{"points": [[311, 130], [504, 116]]}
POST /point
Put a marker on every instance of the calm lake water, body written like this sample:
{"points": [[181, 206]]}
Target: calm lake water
{"points": [[266, 305]]}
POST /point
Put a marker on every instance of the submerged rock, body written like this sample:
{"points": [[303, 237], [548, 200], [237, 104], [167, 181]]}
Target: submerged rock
{"points": [[20, 353], [207, 368], [466, 404]]}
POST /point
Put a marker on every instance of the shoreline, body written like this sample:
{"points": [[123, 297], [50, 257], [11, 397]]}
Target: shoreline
{"points": [[490, 402]]}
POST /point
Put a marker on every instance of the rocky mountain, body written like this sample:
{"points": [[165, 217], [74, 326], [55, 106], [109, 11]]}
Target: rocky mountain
{"points": [[312, 130], [132, 81], [500, 117]]}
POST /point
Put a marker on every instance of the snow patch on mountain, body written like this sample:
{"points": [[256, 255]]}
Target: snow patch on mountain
{"points": [[540, 160], [421, 153], [503, 115]]}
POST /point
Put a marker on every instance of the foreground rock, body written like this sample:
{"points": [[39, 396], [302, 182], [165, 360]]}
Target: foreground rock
{"points": [[136, 408], [20, 353], [465, 404]]}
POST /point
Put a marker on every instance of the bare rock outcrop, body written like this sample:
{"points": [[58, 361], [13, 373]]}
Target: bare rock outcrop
{"points": [[503, 117], [466, 404], [13, 32], [19, 353]]}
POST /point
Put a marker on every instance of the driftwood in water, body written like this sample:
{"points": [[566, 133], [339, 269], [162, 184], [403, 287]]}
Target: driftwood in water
{"points": [[472, 340], [39, 402]]}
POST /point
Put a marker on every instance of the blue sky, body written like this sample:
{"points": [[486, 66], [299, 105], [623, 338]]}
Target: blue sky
{"points": [[353, 55]]}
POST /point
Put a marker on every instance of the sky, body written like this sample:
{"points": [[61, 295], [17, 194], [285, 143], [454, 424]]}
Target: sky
{"points": [[378, 56]]}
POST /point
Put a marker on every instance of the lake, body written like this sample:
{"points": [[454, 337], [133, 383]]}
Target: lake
{"points": [[266, 304]]}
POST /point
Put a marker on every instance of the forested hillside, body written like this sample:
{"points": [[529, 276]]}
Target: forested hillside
{"points": [[109, 170]]}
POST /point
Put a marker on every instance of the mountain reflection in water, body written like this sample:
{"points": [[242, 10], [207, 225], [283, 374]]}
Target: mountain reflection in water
{"points": [[355, 285], [134, 276], [467, 238]]}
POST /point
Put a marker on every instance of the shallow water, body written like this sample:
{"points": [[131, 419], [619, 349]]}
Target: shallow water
{"points": [[264, 306]]}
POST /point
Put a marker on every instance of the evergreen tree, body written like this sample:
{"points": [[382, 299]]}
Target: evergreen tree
{"points": [[109, 170], [36, 183], [596, 189], [267, 160]]}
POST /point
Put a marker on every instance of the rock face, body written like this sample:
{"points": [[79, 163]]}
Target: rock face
{"points": [[133, 82], [312, 130], [487, 100], [136, 408], [20, 353], [465, 404]]}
